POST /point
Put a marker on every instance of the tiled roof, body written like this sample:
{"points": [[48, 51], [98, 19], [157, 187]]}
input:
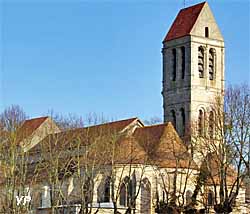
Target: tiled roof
{"points": [[212, 165], [87, 134], [28, 127], [184, 22], [157, 145], [164, 147]]}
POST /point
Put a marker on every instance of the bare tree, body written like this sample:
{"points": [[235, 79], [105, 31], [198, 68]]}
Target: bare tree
{"points": [[15, 179], [224, 144], [12, 118]]}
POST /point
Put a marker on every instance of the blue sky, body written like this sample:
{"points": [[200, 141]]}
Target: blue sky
{"points": [[98, 56]]}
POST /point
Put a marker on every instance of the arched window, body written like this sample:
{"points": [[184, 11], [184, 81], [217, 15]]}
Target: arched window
{"points": [[183, 59], [211, 124], [201, 62], [107, 190], [188, 197], [133, 190], [206, 32], [103, 190], [128, 191], [173, 118], [174, 63], [123, 195], [201, 123], [145, 196], [247, 192], [183, 121], [45, 200], [210, 198], [211, 63]]}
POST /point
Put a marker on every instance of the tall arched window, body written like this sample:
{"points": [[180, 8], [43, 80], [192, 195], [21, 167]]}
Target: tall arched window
{"points": [[106, 190], [128, 191], [174, 64], [211, 124], [123, 195], [183, 121], [201, 62], [201, 123], [173, 118], [188, 197], [210, 198], [133, 190], [211, 63], [145, 196], [247, 192], [183, 62]]}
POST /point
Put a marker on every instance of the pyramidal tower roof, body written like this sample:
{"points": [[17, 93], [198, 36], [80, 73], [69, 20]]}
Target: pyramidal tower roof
{"points": [[184, 22]]}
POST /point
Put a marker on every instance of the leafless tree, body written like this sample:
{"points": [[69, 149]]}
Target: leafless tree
{"points": [[15, 180], [224, 146]]}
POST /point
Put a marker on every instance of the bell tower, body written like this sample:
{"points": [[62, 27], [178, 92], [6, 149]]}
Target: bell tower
{"points": [[193, 67]]}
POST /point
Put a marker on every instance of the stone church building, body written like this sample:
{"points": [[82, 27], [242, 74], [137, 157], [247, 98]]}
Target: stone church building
{"points": [[126, 166]]}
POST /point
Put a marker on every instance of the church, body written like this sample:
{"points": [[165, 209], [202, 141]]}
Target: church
{"points": [[127, 167]]}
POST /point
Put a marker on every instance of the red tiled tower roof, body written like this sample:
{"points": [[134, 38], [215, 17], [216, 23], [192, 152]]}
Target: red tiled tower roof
{"points": [[184, 22]]}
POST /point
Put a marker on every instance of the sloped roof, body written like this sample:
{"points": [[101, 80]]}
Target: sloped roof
{"points": [[29, 126], [184, 22], [164, 147], [86, 135], [212, 165]]}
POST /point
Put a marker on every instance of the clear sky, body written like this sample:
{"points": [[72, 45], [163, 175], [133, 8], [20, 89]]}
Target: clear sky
{"points": [[99, 56]]}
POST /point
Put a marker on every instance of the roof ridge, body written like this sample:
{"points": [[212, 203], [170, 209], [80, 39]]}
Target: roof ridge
{"points": [[106, 123], [184, 22], [36, 118], [102, 124], [154, 125], [195, 5]]}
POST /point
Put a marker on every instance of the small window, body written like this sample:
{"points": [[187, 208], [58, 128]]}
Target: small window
{"points": [[206, 32]]}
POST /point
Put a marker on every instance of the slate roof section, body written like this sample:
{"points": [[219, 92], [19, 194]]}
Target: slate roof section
{"points": [[184, 22]]}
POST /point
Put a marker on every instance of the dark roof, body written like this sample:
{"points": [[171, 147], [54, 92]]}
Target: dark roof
{"points": [[184, 22]]}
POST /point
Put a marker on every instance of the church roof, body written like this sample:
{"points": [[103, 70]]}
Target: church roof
{"points": [[29, 126], [85, 134], [163, 146], [184, 22]]}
